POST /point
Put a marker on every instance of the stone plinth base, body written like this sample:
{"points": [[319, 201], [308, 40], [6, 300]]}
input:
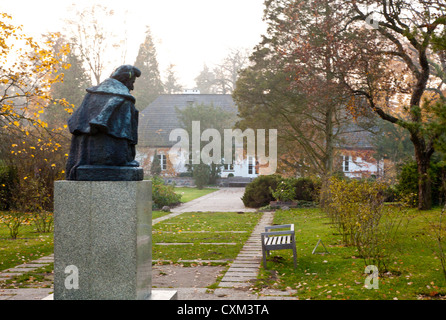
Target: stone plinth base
{"points": [[156, 295], [102, 240], [163, 295]]}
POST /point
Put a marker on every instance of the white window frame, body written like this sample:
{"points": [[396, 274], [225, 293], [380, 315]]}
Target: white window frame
{"points": [[252, 168], [346, 163], [163, 161]]}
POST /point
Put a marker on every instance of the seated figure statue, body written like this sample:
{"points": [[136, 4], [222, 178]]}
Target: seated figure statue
{"points": [[105, 131]]}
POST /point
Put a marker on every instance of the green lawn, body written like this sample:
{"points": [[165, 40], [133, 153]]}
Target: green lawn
{"points": [[187, 194], [29, 245], [414, 269], [203, 227]]}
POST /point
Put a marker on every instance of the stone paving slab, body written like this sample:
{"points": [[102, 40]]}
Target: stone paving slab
{"points": [[191, 243], [30, 265], [44, 260], [25, 294], [20, 270], [194, 261], [10, 274], [243, 266], [26, 267], [235, 274], [233, 284], [245, 270], [200, 231], [246, 275], [248, 259]]}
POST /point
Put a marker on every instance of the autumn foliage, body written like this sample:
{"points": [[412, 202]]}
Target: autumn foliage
{"points": [[358, 211], [35, 148]]}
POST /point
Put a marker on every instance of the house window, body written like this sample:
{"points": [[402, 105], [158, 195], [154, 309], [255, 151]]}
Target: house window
{"points": [[252, 166], [163, 161], [345, 163]]}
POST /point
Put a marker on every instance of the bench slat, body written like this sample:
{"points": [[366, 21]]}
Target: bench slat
{"points": [[271, 241]]}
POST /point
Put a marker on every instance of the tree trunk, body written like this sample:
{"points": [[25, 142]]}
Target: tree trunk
{"points": [[423, 154], [424, 183]]}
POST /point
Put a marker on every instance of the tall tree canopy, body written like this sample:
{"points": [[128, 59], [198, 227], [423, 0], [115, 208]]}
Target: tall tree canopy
{"points": [[171, 84], [149, 86], [72, 89], [323, 61], [28, 69], [223, 78], [291, 84], [92, 39], [397, 67]]}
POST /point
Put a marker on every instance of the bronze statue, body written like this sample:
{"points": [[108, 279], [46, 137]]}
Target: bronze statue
{"points": [[105, 131]]}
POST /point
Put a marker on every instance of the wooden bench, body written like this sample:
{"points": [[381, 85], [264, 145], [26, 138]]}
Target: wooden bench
{"points": [[278, 240]]}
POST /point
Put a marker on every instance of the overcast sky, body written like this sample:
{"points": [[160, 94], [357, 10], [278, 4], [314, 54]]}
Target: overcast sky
{"points": [[186, 33]]}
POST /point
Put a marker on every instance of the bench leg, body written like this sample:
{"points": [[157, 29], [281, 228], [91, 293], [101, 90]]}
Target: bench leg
{"points": [[295, 257], [264, 258]]}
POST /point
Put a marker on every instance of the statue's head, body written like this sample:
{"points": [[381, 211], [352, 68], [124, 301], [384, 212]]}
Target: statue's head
{"points": [[126, 74]]}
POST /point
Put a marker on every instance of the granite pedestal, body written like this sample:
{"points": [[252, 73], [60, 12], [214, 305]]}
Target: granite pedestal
{"points": [[103, 240]]}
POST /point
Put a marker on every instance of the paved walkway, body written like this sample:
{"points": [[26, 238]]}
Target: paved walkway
{"points": [[223, 200], [233, 286], [22, 293], [246, 266]]}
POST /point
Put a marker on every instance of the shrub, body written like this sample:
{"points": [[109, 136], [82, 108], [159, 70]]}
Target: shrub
{"points": [[355, 204], [32, 195], [408, 181], [437, 231], [284, 191], [43, 221], [163, 195], [187, 174], [201, 174], [8, 179], [14, 220], [306, 189], [258, 193], [357, 209], [264, 189]]}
